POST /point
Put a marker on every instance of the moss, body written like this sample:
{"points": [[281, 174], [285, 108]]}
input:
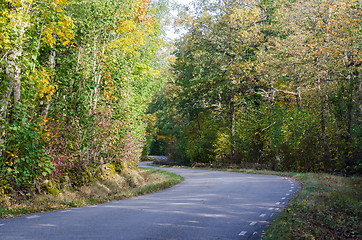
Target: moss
{"points": [[53, 191]]}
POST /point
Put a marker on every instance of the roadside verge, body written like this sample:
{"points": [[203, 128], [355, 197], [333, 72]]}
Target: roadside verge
{"points": [[115, 187]]}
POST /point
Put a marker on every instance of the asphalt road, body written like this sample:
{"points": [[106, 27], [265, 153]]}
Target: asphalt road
{"points": [[207, 205]]}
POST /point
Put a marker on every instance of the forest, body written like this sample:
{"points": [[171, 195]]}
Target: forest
{"points": [[266, 84]]}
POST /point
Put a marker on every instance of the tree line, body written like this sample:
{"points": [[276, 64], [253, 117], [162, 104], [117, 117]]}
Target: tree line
{"points": [[272, 84], [76, 80]]}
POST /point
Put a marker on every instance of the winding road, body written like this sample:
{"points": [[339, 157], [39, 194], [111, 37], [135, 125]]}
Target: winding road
{"points": [[206, 205]]}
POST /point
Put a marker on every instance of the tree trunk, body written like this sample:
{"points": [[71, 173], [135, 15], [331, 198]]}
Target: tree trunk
{"points": [[232, 127], [97, 80], [13, 71], [327, 155], [353, 80], [52, 67]]}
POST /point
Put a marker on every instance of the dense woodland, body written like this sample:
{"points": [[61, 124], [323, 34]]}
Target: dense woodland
{"points": [[265, 83], [268, 84]]}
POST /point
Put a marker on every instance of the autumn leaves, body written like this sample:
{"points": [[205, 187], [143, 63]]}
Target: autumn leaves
{"points": [[268, 83], [77, 76]]}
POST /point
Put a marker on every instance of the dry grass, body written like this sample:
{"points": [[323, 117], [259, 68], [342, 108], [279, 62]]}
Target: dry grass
{"points": [[327, 207], [111, 187]]}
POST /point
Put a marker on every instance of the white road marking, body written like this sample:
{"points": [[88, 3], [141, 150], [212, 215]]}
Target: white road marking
{"points": [[242, 233], [93, 206], [271, 209], [252, 223], [283, 203], [193, 221], [47, 225], [290, 190], [287, 194], [65, 211], [292, 187], [271, 214], [32, 217], [2, 225], [255, 233], [277, 203], [277, 209], [262, 215], [283, 198]]}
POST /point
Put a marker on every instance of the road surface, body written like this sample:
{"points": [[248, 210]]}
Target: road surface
{"points": [[207, 205]]}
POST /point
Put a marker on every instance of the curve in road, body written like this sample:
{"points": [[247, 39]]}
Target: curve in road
{"points": [[206, 205]]}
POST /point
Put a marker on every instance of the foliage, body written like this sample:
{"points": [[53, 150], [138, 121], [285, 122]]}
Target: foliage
{"points": [[76, 80], [272, 84], [32, 163]]}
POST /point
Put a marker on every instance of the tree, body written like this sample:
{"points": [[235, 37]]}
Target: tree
{"points": [[216, 59], [270, 84], [316, 51], [77, 77]]}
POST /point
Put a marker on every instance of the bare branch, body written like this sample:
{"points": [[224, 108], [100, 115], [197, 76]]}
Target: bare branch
{"points": [[269, 126]]}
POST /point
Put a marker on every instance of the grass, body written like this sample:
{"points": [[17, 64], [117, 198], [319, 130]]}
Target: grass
{"points": [[114, 187], [326, 207]]}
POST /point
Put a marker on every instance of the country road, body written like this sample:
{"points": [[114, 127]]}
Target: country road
{"points": [[207, 205]]}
